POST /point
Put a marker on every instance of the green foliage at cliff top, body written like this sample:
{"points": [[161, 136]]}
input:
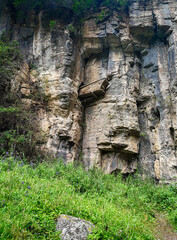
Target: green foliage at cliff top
{"points": [[78, 7], [33, 196]]}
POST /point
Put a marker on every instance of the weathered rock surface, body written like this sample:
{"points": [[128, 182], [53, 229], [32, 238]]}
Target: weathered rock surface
{"points": [[73, 228], [109, 94]]}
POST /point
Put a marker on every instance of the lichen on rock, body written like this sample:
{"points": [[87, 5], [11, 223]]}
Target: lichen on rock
{"points": [[73, 228]]}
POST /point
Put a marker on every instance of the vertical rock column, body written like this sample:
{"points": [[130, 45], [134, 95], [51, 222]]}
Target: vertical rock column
{"points": [[111, 131], [59, 73], [156, 102]]}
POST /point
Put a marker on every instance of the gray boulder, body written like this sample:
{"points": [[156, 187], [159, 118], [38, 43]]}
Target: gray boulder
{"points": [[73, 228]]}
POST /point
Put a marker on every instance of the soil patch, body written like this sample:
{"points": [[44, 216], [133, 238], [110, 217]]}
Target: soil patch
{"points": [[163, 229]]}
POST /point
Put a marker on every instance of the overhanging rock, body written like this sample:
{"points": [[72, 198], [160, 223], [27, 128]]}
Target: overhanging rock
{"points": [[93, 90]]}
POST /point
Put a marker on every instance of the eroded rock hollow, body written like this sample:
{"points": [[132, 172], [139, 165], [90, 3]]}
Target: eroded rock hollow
{"points": [[110, 91]]}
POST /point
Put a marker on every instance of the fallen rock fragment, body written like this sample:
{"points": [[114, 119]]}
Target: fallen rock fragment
{"points": [[73, 228]]}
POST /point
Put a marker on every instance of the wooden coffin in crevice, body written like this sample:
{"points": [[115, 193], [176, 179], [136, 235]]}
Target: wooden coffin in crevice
{"points": [[93, 91]]}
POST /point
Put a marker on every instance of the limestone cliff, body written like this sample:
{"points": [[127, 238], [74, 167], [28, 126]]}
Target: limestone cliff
{"points": [[110, 91]]}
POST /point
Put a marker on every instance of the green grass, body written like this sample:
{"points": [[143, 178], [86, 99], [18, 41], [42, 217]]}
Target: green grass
{"points": [[32, 197]]}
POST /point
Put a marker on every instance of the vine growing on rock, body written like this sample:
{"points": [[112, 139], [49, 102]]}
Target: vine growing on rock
{"points": [[17, 121], [9, 53]]}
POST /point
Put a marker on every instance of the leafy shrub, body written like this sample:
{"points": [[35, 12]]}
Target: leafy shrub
{"points": [[72, 29], [17, 128], [52, 24]]}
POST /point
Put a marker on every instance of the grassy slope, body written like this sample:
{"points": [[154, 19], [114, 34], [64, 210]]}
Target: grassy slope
{"points": [[31, 199]]}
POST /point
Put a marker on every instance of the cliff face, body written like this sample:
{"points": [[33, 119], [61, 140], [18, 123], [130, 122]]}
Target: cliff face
{"points": [[108, 96]]}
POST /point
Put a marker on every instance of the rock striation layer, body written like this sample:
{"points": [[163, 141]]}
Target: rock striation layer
{"points": [[107, 96]]}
